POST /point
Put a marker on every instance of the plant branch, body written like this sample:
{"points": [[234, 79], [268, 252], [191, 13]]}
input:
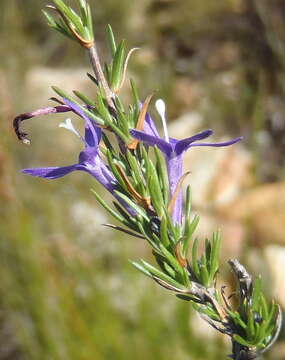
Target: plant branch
{"points": [[95, 62]]}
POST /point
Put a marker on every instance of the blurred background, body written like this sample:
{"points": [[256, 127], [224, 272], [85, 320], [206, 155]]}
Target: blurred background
{"points": [[67, 289]]}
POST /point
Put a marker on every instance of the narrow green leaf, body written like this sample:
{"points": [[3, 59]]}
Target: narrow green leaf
{"points": [[274, 309], [108, 72], [77, 22], [148, 238], [125, 137], [111, 40], [120, 105], [171, 228], [264, 306], [169, 269], [195, 264], [107, 207], [206, 310], [141, 268], [154, 271], [83, 12], [103, 110], [190, 227], [235, 316], [259, 334], [135, 166], [61, 6], [135, 92], [123, 121], [132, 204], [70, 14], [186, 277], [133, 115], [82, 4], [61, 24], [145, 157], [63, 94], [172, 260], [256, 293], [154, 187], [155, 198], [157, 241], [208, 250], [250, 330], [84, 98], [130, 221], [50, 20], [61, 30], [112, 163], [214, 257], [118, 64], [204, 275], [241, 341], [58, 26], [90, 21], [163, 232]]}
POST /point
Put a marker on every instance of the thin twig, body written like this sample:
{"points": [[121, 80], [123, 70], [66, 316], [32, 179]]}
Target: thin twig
{"points": [[95, 62]]}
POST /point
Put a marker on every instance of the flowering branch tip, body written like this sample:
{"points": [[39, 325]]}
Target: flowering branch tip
{"points": [[143, 171]]}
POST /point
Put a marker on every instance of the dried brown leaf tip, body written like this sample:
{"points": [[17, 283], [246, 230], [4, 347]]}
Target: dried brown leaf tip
{"points": [[144, 202], [181, 259], [140, 124]]}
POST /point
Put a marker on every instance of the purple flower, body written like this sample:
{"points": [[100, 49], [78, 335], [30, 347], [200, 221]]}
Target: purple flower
{"points": [[173, 151], [149, 126], [89, 159]]}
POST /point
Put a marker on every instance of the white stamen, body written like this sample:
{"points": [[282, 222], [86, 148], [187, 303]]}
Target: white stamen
{"points": [[67, 124], [160, 107]]}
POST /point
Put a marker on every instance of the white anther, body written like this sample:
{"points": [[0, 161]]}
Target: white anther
{"points": [[160, 107]]}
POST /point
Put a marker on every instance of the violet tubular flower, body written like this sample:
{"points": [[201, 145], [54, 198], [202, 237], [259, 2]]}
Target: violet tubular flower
{"points": [[173, 151], [89, 159]]}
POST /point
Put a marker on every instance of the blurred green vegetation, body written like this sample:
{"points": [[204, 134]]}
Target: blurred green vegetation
{"points": [[67, 290]]}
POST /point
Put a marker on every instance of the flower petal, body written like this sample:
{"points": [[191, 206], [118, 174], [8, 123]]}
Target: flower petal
{"points": [[50, 172], [226, 143], [90, 139], [163, 145], [183, 145], [149, 126], [175, 169]]}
